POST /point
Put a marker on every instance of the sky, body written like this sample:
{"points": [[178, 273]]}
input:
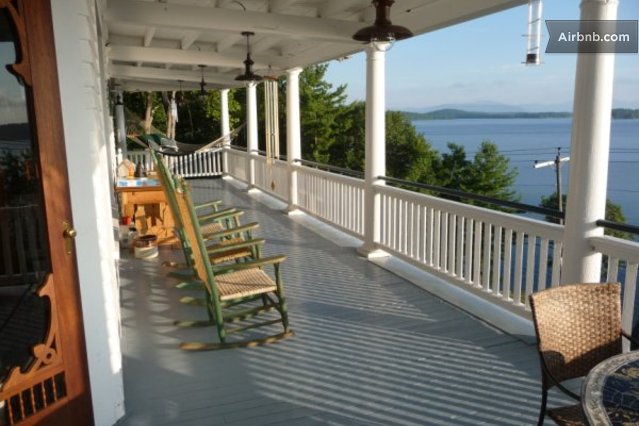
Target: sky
{"points": [[480, 62]]}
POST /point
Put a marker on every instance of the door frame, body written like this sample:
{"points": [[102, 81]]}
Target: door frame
{"points": [[64, 349]]}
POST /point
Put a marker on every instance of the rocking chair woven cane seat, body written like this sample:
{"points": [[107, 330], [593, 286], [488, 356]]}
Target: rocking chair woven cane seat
{"points": [[244, 283], [212, 228]]}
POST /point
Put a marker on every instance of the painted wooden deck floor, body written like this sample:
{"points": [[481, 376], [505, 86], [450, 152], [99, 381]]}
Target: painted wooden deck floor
{"points": [[370, 348]]}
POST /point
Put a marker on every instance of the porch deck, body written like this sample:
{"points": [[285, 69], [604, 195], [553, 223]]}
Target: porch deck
{"points": [[370, 348]]}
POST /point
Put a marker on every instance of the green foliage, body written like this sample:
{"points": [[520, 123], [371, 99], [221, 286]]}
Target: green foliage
{"points": [[199, 120], [490, 174], [18, 178], [614, 213], [321, 110]]}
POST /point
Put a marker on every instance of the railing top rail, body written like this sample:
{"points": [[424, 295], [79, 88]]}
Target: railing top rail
{"points": [[350, 180], [476, 197], [327, 167], [616, 247]]}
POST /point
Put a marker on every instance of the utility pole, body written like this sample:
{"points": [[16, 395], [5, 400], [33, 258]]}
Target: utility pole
{"points": [[557, 163]]}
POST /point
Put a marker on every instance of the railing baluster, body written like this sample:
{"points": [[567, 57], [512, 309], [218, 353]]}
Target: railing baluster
{"points": [[508, 261], [628, 310], [497, 260], [452, 239], [530, 267], [468, 255], [613, 270], [477, 254], [556, 263], [436, 249], [486, 256], [519, 260], [459, 261], [542, 276]]}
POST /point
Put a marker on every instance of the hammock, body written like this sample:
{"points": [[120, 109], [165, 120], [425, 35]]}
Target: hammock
{"points": [[174, 148], [167, 146]]}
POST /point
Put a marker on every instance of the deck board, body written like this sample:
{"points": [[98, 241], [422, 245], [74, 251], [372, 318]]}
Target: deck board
{"points": [[370, 348]]}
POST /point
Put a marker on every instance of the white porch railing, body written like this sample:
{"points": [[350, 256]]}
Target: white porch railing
{"points": [[501, 255], [620, 264], [272, 178], [505, 255], [336, 199], [201, 164], [237, 164]]}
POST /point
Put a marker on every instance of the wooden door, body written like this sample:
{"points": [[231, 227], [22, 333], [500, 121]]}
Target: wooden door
{"points": [[43, 367]]}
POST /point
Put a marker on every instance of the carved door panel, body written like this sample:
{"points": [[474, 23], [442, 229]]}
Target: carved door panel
{"points": [[43, 368]]}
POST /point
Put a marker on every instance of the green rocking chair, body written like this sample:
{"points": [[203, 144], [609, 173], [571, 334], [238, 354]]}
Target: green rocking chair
{"points": [[237, 295]]}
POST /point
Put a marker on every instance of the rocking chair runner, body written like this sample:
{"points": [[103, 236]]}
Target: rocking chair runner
{"points": [[232, 286]]}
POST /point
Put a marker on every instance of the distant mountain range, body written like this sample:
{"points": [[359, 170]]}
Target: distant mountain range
{"points": [[453, 114]]}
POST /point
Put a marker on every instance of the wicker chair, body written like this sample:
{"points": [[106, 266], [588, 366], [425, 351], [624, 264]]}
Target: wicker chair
{"points": [[577, 326]]}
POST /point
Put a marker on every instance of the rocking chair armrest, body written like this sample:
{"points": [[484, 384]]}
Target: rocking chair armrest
{"points": [[212, 204], [223, 248], [271, 260], [222, 214], [232, 231]]}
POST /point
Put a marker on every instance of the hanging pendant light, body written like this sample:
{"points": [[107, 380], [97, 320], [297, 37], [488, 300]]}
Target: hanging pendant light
{"points": [[383, 29], [248, 75], [203, 93]]}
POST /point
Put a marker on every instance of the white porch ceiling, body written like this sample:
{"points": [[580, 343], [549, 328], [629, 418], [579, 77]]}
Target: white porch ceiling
{"points": [[154, 43]]}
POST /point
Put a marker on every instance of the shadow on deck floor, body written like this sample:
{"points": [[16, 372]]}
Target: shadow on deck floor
{"points": [[370, 348]]}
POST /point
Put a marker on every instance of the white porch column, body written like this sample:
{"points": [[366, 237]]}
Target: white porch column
{"points": [[375, 145], [293, 133], [121, 124], [589, 154], [251, 132], [225, 128]]}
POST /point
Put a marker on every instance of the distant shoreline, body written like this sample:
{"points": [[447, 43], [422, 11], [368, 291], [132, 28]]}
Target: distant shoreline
{"points": [[454, 114]]}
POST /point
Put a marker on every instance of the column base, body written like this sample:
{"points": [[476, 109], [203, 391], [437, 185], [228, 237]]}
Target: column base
{"points": [[371, 252], [252, 190], [292, 211]]}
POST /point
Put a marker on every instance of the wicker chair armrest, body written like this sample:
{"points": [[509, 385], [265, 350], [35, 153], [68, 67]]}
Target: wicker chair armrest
{"points": [[556, 382], [633, 342], [223, 248], [271, 260], [232, 231]]}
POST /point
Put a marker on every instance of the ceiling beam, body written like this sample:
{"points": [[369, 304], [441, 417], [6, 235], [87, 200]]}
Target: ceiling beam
{"points": [[160, 55], [125, 72], [206, 19], [132, 85]]}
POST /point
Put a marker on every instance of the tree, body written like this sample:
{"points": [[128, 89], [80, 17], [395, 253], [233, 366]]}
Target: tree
{"points": [[490, 174], [451, 169], [321, 108], [614, 213], [408, 155]]}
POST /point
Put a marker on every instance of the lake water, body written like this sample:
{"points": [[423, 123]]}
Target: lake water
{"points": [[527, 140]]}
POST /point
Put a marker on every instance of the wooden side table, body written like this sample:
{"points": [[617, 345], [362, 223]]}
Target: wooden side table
{"points": [[149, 210]]}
